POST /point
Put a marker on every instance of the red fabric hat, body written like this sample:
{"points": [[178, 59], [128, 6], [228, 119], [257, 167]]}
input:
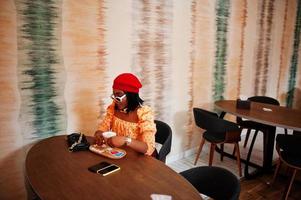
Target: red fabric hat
{"points": [[127, 82]]}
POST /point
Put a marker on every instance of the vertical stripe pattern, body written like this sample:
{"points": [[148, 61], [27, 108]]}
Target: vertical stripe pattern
{"points": [[142, 45], [282, 56], [294, 58], [222, 15], [286, 49], [101, 55], [151, 60], [242, 45], [190, 120], [84, 51], [267, 47], [260, 50], [264, 47], [39, 75], [162, 55]]}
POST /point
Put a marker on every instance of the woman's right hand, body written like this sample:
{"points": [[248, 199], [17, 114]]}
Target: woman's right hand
{"points": [[99, 139]]}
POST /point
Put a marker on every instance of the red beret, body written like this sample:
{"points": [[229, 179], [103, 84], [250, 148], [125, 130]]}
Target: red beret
{"points": [[127, 82]]}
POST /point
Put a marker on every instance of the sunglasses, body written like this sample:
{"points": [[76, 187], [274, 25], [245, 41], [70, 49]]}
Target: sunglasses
{"points": [[118, 99]]}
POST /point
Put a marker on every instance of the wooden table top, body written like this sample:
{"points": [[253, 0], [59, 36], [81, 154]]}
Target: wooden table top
{"points": [[55, 173], [279, 116]]}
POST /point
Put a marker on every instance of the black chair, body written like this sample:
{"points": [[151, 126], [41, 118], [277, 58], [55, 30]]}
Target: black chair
{"points": [[218, 131], [215, 182], [288, 148], [163, 136], [249, 125]]}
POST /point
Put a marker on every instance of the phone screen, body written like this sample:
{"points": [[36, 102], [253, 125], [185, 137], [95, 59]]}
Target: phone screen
{"points": [[99, 166], [108, 170]]}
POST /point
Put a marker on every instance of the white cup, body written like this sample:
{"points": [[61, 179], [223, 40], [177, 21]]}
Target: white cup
{"points": [[108, 134]]}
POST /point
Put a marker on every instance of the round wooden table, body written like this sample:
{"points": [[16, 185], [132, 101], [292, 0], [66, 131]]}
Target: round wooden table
{"points": [[55, 173], [278, 116], [272, 115]]}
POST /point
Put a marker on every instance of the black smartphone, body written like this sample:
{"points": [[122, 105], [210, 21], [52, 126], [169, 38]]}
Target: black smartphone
{"points": [[108, 170], [104, 168]]}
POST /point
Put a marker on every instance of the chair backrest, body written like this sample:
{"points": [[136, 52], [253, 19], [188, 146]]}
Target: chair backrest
{"points": [[209, 121], [289, 144], [163, 136], [264, 99], [215, 182]]}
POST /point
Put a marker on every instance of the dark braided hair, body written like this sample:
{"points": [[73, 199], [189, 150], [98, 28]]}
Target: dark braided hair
{"points": [[133, 101]]}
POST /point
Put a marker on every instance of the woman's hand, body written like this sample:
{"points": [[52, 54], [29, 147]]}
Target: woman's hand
{"points": [[116, 141], [99, 139]]}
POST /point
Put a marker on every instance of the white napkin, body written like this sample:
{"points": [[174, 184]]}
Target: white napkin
{"points": [[161, 197], [243, 97], [267, 109]]}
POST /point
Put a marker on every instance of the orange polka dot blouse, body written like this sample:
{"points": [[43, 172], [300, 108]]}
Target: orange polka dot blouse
{"points": [[144, 130]]}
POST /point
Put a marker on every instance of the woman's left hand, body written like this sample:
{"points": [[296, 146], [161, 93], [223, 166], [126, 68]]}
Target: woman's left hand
{"points": [[116, 141]]}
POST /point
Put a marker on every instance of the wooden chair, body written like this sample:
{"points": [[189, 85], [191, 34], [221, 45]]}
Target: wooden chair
{"points": [[288, 148], [218, 131]]}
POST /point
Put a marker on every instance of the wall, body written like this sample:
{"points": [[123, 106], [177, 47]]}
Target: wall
{"points": [[58, 59]]}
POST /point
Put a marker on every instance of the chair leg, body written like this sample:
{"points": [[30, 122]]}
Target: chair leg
{"points": [[285, 131], [247, 175], [276, 171], [222, 152], [290, 184], [199, 151], [247, 138], [212, 149], [238, 159], [234, 151]]}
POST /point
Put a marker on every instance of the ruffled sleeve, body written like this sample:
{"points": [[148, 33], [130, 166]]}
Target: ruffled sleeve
{"points": [[147, 128], [105, 124]]}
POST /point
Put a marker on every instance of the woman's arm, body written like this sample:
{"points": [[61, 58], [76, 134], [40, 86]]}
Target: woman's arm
{"points": [[147, 128], [104, 125], [136, 145]]}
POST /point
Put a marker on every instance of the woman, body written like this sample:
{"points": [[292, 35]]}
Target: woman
{"points": [[128, 118]]}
